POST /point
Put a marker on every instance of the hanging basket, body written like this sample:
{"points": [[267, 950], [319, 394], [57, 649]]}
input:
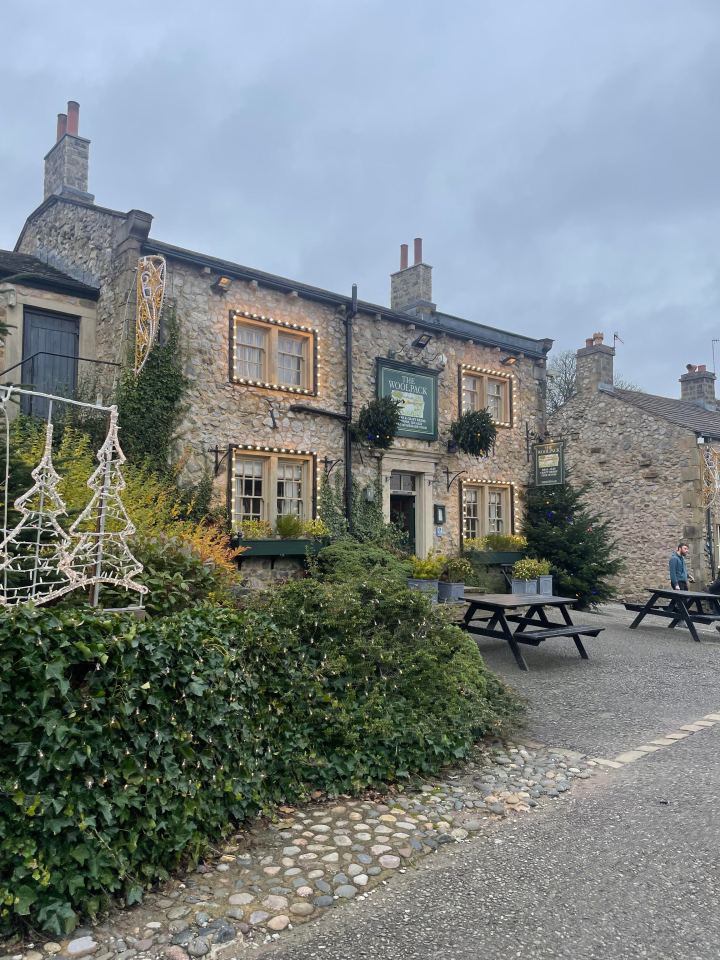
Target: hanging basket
{"points": [[377, 423], [473, 433]]}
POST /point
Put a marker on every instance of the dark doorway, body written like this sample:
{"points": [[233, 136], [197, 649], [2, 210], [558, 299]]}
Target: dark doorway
{"points": [[402, 513], [50, 352]]}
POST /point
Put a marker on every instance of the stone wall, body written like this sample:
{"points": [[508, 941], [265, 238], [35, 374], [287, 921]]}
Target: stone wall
{"points": [[644, 477]]}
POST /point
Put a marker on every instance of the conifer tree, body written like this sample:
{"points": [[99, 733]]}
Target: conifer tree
{"points": [[561, 528]]}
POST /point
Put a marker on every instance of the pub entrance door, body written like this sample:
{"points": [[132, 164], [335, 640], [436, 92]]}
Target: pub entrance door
{"points": [[403, 488]]}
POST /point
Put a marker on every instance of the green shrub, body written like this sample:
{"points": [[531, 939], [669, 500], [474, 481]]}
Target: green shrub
{"points": [[499, 542], [255, 530], [128, 747], [457, 570], [289, 526], [348, 560], [427, 568]]}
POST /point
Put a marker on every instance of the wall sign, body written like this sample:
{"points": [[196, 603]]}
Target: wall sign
{"points": [[416, 389], [549, 463]]}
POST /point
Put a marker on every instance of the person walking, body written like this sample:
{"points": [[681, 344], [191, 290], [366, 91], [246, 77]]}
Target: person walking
{"points": [[679, 575]]}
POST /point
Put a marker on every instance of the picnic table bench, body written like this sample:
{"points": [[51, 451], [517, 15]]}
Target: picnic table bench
{"points": [[492, 614], [682, 607]]}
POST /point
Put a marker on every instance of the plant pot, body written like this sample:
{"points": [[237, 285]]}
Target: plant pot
{"points": [[545, 585], [527, 587], [424, 586], [447, 592]]}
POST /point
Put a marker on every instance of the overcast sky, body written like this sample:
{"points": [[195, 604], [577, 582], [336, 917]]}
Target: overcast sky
{"points": [[560, 158]]}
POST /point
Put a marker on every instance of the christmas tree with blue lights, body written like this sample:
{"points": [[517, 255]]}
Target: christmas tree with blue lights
{"points": [[561, 528]]}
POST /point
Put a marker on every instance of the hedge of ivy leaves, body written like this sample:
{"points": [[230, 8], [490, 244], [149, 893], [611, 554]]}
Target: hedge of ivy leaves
{"points": [[128, 747]]}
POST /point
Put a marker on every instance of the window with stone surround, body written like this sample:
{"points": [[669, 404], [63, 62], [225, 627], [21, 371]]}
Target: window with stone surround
{"points": [[273, 354], [486, 508], [487, 389], [267, 485]]}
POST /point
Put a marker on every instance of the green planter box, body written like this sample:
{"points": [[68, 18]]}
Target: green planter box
{"points": [[278, 548], [495, 557]]}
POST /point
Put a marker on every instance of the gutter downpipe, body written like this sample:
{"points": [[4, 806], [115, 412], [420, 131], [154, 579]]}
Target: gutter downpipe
{"points": [[350, 314]]}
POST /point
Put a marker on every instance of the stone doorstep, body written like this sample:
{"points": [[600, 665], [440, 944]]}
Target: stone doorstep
{"points": [[613, 764], [705, 723], [712, 716], [691, 727], [649, 748], [663, 742], [677, 735]]}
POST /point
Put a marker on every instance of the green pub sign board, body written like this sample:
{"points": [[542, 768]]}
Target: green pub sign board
{"points": [[549, 464], [416, 389]]}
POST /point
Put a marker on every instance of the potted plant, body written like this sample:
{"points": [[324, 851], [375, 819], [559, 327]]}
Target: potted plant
{"points": [[525, 575], [457, 572], [497, 548], [254, 530], [545, 580], [425, 574]]}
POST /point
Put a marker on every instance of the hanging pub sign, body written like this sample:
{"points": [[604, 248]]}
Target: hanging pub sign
{"points": [[416, 390], [549, 463]]}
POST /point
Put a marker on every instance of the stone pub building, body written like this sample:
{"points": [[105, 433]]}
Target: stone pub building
{"points": [[268, 359]]}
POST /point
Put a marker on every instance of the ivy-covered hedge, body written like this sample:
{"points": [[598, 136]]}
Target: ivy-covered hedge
{"points": [[128, 746]]}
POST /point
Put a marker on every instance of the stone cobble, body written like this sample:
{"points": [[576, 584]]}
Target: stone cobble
{"points": [[277, 875]]}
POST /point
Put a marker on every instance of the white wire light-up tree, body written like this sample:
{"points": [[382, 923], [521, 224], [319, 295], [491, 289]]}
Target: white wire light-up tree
{"points": [[32, 553], [100, 553]]}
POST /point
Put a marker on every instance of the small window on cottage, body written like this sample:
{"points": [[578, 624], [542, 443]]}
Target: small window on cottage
{"points": [[481, 391], [249, 502], [402, 482], [273, 355], [486, 509], [471, 513], [250, 352], [495, 391], [291, 360], [268, 486], [290, 488], [472, 394], [496, 511]]}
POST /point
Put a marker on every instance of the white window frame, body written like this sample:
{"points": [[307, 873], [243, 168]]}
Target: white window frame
{"points": [[272, 330], [270, 477]]}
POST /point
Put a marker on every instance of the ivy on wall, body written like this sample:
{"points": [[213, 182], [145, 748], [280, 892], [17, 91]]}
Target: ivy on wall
{"points": [[151, 403]]}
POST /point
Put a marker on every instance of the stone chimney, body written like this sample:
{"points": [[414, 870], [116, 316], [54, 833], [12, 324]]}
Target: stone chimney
{"points": [[594, 365], [698, 386], [66, 165], [411, 287]]}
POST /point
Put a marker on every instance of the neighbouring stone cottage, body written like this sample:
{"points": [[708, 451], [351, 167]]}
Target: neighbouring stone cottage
{"points": [[268, 366], [650, 463], [51, 320]]}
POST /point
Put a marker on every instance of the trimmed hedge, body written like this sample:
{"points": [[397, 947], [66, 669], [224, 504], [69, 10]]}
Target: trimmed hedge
{"points": [[129, 747]]}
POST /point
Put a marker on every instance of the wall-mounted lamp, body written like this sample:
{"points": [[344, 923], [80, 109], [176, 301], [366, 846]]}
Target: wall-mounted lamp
{"points": [[509, 361], [422, 341], [222, 284]]}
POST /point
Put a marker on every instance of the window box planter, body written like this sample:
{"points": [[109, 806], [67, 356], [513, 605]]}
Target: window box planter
{"points": [[278, 548], [524, 587], [545, 585], [494, 557], [425, 586]]}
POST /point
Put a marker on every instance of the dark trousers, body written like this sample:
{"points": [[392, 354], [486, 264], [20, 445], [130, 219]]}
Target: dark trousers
{"points": [[683, 584]]}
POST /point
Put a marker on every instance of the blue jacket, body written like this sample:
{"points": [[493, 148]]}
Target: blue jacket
{"points": [[678, 569]]}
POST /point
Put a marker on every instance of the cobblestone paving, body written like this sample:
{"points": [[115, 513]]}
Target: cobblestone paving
{"points": [[312, 859]]}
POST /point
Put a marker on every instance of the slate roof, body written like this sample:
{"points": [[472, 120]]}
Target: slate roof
{"points": [[21, 268], [684, 413], [445, 323]]}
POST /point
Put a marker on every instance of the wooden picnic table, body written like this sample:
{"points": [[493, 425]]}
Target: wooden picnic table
{"points": [[682, 606], [492, 614]]}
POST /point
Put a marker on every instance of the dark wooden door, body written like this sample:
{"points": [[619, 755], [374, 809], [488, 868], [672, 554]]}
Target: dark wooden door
{"points": [[50, 357]]}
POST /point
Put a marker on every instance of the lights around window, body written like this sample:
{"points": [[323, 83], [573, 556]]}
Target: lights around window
{"points": [[293, 356]]}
